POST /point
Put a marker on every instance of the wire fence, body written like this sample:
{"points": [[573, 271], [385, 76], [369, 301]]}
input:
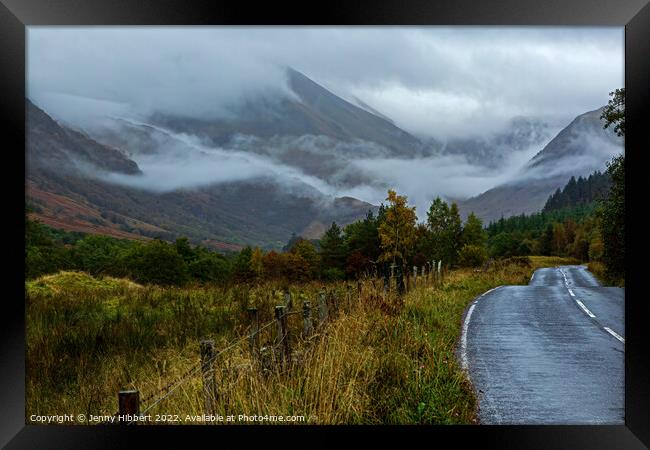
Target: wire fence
{"points": [[129, 401]]}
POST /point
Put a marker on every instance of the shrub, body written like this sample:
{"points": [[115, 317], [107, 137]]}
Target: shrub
{"points": [[333, 274], [97, 254], [155, 262], [472, 256], [209, 268]]}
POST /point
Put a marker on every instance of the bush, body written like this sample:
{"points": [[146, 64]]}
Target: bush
{"points": [[523, 261], [43, 260], [595, 250], [210, 268], [333, 274], [155, 262], [97, 254], [472, 256]]}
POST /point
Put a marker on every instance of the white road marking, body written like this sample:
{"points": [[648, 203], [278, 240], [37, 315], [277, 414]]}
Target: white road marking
{"points": [[589, 313], [463, 340], [532, 276], [584, 308], [487, 292], [615, 334]]}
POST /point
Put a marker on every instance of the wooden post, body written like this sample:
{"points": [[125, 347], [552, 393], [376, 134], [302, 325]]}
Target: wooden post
{"points": [[283, 333], [129, 405], [400, 280], [415, 277], [307, 328], [207, 368], [348, 298], [322, 307], [287, 299], [386, 282], [254, 338]]}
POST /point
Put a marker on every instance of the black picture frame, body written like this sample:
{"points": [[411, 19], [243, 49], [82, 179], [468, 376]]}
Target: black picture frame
{"points": [[15, 15]]}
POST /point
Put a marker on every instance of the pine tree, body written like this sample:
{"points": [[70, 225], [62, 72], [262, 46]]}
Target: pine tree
{"points": [[546, 242], [473, 233], [332, 248]]}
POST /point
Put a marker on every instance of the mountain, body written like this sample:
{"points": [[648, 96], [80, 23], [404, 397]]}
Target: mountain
{"points": [[312, 130], [54, 147], [579, 149], [313, 110], [67, 187], [582, 145], [491, 151]]}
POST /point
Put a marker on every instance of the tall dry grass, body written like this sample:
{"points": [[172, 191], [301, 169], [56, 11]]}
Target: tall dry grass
{"points": [[378, 360]]}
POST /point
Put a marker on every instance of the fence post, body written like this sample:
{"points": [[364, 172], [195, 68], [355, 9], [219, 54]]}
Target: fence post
{"points": [[207, 368], [283, 333], [415, 277], [322, 307], [335, 303], [348, 298], [288, 299], [129, 405], [386, 282], [306, 315], [254, 338], [400, 280]]}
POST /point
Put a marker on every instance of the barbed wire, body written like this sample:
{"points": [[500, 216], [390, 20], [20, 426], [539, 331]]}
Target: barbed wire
{"points": [[173, 386]]}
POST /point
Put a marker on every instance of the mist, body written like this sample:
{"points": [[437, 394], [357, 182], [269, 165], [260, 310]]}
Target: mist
{"points": [[355, 169], [442, 82]]}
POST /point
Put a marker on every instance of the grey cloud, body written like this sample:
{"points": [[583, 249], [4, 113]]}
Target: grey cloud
{"points": [[436, 82], [432, 81]]}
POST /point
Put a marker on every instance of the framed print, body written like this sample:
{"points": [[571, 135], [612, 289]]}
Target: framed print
{"points": [[400, 218]]}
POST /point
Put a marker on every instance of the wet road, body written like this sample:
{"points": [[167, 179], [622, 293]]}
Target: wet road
{"points": [[551, 352]]}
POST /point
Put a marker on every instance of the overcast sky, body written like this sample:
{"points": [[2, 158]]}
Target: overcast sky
{"points": [[432, 81]]}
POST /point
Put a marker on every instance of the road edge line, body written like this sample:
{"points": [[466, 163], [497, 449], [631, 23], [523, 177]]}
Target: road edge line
{"points": [[464, 362]]}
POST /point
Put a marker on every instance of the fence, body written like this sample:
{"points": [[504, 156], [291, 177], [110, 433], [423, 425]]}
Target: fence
{"points": [[278, 354]]}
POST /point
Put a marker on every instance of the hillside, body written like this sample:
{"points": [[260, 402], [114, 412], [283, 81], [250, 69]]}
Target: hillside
{"points": [[579, 149], [64, 186], [313, 111]]}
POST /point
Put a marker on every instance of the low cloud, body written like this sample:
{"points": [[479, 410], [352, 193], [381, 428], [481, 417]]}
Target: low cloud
{"points": [[183, 161], [439, 83], [443, 82]]}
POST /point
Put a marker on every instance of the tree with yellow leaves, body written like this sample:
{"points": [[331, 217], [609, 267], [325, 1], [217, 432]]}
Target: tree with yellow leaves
{"points": [[257, 262], [397, 229]]}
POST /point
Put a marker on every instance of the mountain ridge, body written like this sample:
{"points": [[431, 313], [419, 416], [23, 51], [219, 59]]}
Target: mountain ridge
{"points": [[583, 140]]}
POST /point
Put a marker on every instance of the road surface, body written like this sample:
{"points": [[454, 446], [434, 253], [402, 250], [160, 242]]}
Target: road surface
{"points": [[551, 352]]}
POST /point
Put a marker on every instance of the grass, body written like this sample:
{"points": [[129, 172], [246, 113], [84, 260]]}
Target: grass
{"points": [[376, 361], [600, 272]]}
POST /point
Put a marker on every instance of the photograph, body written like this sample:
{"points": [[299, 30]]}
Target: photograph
{"points": [[325, 225]]}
